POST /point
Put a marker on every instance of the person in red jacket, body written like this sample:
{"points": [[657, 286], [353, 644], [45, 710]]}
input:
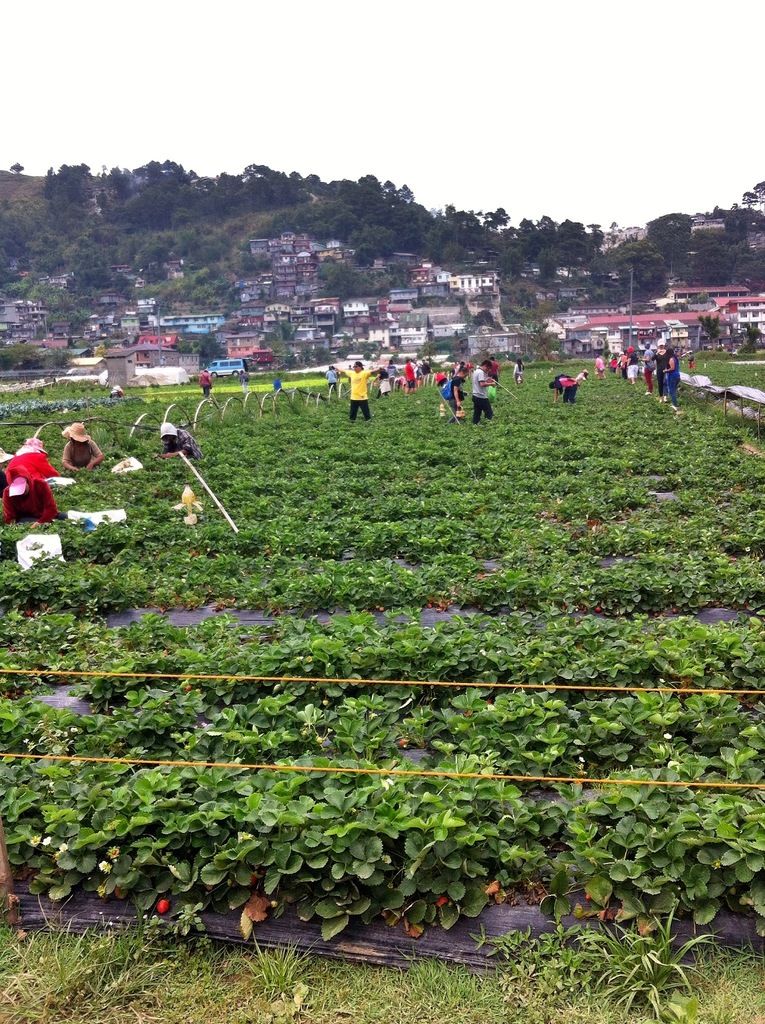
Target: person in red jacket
{"points": [[29, 498], [31, 460], [410, 375]]}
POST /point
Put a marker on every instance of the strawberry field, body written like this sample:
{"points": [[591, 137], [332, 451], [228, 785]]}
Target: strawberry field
{"points": [[606, 544]]}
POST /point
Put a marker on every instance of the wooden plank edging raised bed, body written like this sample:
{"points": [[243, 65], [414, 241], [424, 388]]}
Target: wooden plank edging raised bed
{"points": [[370, 944]]}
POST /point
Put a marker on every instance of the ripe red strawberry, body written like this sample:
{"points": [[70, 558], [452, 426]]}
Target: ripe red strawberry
{"points": [[442, 901], [163, 906]]}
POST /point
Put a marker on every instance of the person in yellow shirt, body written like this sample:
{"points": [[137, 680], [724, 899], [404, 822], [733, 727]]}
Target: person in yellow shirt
{"points": [[359, 378]]}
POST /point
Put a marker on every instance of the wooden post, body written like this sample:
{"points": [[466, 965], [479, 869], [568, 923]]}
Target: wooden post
{"points": [[9, 903], [199, 477]]}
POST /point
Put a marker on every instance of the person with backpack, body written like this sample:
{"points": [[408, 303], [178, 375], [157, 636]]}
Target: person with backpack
{"points": [[556, 385], [454, 396], [568, 386]]}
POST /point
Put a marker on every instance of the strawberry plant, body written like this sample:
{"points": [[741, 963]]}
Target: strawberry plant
{"points": [[544, 556]]}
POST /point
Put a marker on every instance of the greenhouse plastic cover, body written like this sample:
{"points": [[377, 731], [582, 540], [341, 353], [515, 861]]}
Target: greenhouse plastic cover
{"points": [[751, 394], [160, 375]]}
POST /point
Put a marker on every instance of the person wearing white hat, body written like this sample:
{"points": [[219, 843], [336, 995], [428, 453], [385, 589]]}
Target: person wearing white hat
{"points": [[176, 440], [29, 499], [31, 460], [81, 451]]}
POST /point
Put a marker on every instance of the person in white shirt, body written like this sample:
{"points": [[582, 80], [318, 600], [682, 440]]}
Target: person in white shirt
{"points": [[482, 381]]}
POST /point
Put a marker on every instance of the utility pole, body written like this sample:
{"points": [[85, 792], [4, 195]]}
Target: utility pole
{"points": [[632, 279], [161, 350]]}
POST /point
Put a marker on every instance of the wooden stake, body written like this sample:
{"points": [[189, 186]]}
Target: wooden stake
{"points": [[200, 478], [9, 903]]}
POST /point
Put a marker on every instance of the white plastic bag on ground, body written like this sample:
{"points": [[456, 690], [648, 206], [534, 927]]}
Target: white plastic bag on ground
{"points": [[36, 546], [111, 515], [128, 465], [60, 481]]}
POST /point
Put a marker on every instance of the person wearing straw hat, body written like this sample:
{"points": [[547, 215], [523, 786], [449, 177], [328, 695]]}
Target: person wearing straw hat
{"points": [[80, 451], [177, 441], [31, 460]]}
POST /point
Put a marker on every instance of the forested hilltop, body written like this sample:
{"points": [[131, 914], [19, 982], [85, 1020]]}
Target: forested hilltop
{"points": [[93, 227]]}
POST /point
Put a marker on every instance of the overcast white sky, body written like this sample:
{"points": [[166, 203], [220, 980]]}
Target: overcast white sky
{"points": [[593, 110]]}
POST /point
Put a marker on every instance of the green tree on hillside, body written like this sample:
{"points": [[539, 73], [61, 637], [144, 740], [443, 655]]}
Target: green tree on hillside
{"points": [[67, 188], [713, 258], [671, 235], [645, 260], [710, 325], [752, 336]]}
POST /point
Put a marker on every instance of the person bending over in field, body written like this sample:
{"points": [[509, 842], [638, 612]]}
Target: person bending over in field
{"points": [[28, 499], [452, 392], [177, 441], [383, 383], [570, 385], [31, 460]]}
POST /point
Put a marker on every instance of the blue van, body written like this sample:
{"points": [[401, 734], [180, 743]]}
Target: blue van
{"points": [[227, 367]]}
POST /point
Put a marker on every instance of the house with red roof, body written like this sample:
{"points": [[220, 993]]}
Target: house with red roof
{"points": [[611, 334], [747, 310], [169, 341]]}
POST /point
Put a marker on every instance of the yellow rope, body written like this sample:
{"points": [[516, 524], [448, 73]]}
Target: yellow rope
{"points": [[406, 772], [330, 681]]}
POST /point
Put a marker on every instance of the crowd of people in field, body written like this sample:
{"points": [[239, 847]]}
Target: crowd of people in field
{"points": [[25, 476], [660, 367], [659, 370], [452, 383]]}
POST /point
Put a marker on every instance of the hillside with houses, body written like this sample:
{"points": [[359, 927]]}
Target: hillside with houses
{"points": [[286, 270]]}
